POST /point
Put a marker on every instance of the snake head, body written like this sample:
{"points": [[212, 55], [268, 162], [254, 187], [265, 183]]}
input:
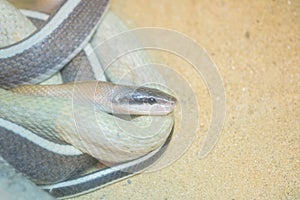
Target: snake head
{"points": [[142, 101]]}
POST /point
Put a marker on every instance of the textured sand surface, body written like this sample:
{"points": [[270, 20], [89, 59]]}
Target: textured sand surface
{"points": [[256, 46]]}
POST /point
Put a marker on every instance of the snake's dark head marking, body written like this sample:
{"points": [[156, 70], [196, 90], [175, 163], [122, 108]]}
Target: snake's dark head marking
{"points": [[143, 101]]}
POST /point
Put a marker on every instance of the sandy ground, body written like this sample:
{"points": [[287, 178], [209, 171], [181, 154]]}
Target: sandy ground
{"points": [[256, 46]]}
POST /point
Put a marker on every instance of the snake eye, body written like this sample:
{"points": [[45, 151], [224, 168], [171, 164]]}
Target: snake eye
{"points": [[152, 101]]}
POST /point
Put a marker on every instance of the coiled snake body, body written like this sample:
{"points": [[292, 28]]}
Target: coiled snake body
{"points": [[37, 127]]}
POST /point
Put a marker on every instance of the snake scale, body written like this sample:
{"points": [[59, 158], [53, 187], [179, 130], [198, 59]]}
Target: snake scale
{"points": [[54, 140]]}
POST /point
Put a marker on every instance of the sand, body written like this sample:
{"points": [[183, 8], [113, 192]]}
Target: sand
{"points": [[256, 47]]}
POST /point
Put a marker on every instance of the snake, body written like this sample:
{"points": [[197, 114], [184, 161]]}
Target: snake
{"points": [[57, 132]]}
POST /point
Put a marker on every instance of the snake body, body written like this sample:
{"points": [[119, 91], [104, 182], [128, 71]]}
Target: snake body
{"points": [[108, 97], [38, 49], [44, 126]]}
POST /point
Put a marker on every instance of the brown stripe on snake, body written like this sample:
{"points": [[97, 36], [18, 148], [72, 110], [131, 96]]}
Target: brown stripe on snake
{"points": [[47, 55], [33, 161], [38, 23], [79, 62]]}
